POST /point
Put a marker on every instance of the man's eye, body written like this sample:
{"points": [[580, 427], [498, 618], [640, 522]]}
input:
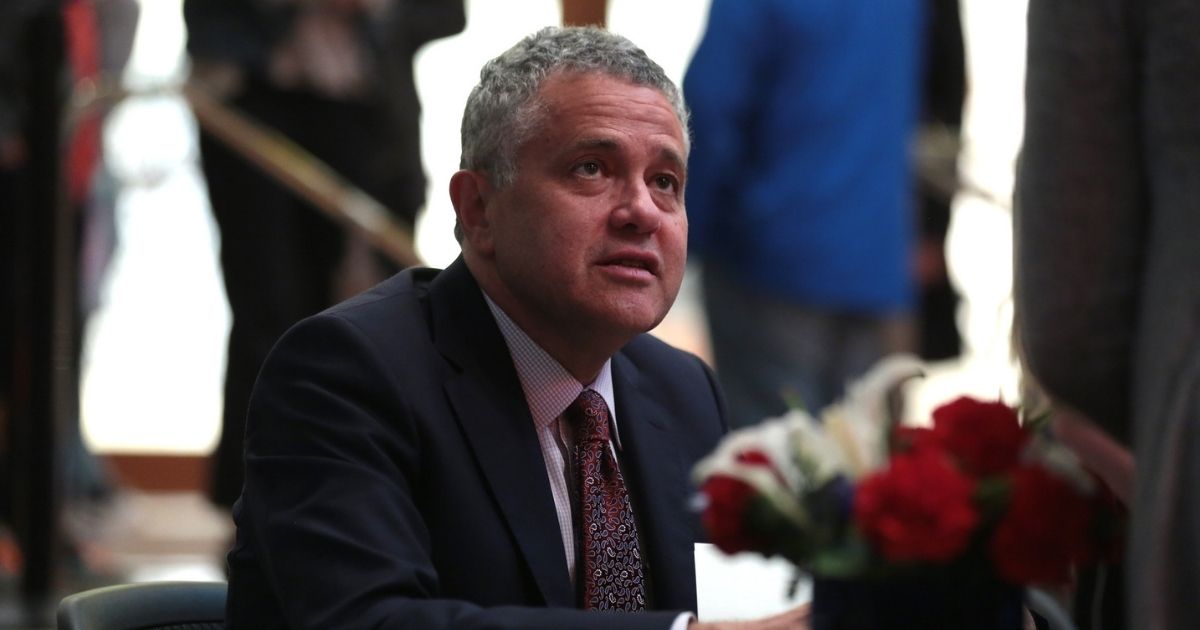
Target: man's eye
{"points": [[665, 182], [589, 168]]}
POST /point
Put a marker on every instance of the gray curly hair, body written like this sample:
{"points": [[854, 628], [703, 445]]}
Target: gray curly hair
{"points": [[502, 111]]}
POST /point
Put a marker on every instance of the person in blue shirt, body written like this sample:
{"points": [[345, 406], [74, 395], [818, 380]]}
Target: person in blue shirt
{"points": [[799, 199]]}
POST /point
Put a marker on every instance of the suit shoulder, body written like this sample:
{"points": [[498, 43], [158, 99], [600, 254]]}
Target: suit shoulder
{"points": [[410, 285], [384, 320], [647, 349], [668, 367], [678, 379]]}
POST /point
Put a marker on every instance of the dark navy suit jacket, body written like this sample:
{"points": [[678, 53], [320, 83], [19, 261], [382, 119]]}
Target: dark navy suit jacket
{"points": [[394, 477]]}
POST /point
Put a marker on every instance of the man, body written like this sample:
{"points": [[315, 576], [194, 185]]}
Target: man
{"points": [[411, 454]]}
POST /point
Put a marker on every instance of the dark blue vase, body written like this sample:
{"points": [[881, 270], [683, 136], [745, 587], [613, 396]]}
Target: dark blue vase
{"points": [[915, 602]]}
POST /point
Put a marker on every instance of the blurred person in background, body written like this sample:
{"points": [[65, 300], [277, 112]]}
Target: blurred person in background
{"points": [[20, 20], [100, 36], [800, 195], [336, 78], [1107, 227], [56, 58]]}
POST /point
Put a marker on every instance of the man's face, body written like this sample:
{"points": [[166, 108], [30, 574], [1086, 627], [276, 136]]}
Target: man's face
{"points": [[590, 240]]}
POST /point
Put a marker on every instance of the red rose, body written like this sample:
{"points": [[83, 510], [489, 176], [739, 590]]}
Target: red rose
{"points": [[724, 514], [985, 438], [1044, 531], [917, 509], [759, 458]]}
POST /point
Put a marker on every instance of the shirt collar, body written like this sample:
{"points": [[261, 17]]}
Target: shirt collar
{"points": [[549, 388]]}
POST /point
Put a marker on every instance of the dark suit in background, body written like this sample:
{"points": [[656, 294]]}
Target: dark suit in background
{"points": [[394, 478], [279, 255]]}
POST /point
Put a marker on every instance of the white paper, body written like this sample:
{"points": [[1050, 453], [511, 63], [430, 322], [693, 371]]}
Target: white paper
{"points": [[744, 586]]}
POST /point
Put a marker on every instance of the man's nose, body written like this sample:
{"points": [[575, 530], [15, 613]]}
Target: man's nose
{"points": [[636, 210]]}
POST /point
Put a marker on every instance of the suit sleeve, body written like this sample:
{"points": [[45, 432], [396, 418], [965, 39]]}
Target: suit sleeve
{"points": [[331, 464], [1079, 223]]}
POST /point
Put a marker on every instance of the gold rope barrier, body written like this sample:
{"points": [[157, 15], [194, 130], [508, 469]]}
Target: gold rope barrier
{"points": [[304, 174], [288, 163]]}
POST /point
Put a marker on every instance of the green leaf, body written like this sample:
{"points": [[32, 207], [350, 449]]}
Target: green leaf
{"points": [[850, 558], [788, 537], [992, 495]]}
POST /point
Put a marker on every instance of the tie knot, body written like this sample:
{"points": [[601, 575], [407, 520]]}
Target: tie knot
{"points": [[589, 415]]}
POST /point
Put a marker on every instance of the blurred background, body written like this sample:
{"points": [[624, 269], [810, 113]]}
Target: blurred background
{"points": [[130, 501]]}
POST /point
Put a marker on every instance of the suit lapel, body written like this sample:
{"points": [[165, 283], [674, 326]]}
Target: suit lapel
{"points": [[486, 395], [659, 483]]}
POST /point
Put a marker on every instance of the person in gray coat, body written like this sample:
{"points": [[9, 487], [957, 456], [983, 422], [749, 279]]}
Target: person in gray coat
{"points": [[1107, 243]]}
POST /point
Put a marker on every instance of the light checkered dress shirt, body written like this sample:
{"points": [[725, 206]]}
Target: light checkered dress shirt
{"points": [[549, 390]]}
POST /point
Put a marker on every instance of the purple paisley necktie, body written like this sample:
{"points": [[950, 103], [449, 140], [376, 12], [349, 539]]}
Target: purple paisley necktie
{"points": [[611, 568]]}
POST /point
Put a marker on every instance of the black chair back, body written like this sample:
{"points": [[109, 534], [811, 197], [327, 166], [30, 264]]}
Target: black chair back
{"points": [[148, 606]]}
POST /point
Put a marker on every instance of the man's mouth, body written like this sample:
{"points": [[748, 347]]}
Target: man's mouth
{"points": [[641, 262], [632, 263]]}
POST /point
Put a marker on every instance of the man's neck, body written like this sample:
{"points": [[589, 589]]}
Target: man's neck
{"points": [[582, 358], [582, 370]]}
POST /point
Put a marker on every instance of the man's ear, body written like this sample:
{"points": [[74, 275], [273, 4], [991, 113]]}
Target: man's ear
{"points": [[470, 192]]}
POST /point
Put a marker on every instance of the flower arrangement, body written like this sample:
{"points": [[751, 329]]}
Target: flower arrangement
{"points": [[855, 495]]}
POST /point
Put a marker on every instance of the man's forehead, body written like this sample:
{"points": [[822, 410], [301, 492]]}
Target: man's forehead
{"points": [[568, 86], [602, 96]]}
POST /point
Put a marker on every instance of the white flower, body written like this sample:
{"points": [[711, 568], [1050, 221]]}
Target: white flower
{"points": [[779, 481], [817, 452], [803, 453], [859, 424]]}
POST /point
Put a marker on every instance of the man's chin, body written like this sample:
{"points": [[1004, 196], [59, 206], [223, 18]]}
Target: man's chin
{"points": [[633, 322]]}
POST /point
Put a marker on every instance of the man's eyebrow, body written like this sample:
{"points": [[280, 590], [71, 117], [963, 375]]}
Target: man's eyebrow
{"points": [[674, 157], [607, 144]]}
